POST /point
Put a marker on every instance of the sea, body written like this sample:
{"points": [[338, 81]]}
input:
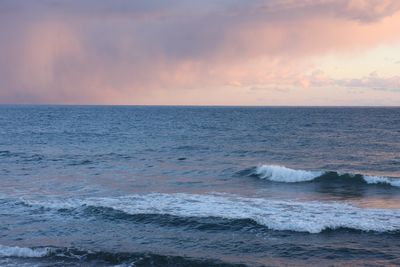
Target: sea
{"points": [[199, 186]]}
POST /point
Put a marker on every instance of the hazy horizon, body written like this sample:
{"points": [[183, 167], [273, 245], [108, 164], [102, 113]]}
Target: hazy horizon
{"points": [[205, 106]]}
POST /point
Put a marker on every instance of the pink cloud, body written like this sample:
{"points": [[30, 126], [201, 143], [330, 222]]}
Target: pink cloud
{"points": [[101, 52]]}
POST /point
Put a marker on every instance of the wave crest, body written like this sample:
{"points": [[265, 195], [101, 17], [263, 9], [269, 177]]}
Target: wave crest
{"points": [[312, 217], [283, 174], [63, 256], [21, 252]]}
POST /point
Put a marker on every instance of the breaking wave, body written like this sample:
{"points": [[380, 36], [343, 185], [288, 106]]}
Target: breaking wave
{"points": [[283, 174], [6, 251], [312, 217], [52, 256]]}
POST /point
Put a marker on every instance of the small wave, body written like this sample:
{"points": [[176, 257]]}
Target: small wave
{"points": [[6, 251], [381, 180], [312, 217], [9, 154], [81, 162], [77, 257], [283, 174]]}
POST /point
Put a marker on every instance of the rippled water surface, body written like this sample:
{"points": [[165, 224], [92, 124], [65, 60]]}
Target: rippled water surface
{"points": [[199, 186]]}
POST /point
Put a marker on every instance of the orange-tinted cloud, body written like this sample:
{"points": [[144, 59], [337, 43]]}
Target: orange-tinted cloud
{"points": [[154, 52]]}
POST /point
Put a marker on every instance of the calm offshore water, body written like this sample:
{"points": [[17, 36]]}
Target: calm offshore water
{"points": [[199, 186]]}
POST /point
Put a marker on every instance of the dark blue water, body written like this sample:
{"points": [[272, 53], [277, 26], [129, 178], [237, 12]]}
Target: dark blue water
{"points": [[199, 186]]}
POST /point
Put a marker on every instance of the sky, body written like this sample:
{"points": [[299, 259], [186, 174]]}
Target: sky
{"points": [[209, 52]]}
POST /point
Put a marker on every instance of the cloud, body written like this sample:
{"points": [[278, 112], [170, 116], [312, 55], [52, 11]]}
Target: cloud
{"points": [[370, 10], [372, 81], [104, 51]]}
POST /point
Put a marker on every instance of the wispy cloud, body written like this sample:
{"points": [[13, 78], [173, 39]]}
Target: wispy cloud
{"points": [[372, 81]]}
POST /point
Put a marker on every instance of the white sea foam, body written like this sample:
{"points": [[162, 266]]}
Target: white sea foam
{"points": [[6, 251], [312, 217], [381, 180], [282, 174], [286, 175]]}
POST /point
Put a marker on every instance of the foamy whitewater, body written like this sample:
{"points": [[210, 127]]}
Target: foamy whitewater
{"points": [[7, 251], [199, 186], [283, 174], [312, 217]]}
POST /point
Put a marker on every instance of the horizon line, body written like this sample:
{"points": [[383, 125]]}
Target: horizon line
{"points": [[180, 105]]}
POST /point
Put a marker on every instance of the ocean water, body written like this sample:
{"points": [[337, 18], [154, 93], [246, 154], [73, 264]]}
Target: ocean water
{"points": [[199, 186]]}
